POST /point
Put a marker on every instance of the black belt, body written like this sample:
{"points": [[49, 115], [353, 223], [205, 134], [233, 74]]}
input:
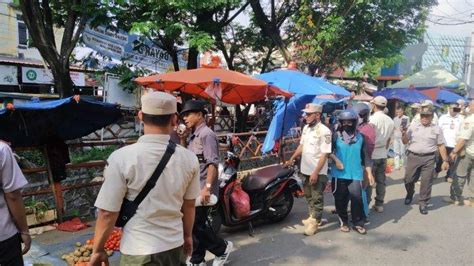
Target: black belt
{"points": [[422, 154]]}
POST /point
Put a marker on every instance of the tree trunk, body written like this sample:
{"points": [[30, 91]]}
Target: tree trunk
{"points": [[174, 58], [242, 117], [193, 58], [269, 29], [266, 60], [62, 81]]}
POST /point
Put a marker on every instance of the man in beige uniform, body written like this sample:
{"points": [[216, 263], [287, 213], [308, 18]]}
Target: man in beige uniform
{"points": [[423, 138], [154, 235], [463, 155], [314, 148], [426, 103]]}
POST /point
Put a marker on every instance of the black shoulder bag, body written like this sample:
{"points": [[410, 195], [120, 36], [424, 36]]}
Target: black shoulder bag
{"points": [[129, 208]]}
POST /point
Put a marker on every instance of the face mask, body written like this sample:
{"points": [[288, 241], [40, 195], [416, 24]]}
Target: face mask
{"points": [[348, 129]]}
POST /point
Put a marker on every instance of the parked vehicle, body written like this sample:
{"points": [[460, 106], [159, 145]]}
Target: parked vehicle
{"points": [[271, 190]]}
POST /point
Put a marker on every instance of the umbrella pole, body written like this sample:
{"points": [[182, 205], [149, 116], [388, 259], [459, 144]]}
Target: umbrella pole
{"points": [[57, 190], [213, 116], [282, 153]]}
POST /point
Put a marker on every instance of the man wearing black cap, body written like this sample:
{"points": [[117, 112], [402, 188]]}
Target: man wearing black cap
{"points": [[204, 143]]}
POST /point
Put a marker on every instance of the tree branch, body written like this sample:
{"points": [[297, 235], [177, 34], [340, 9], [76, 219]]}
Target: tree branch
{"points": [[227, 22]]}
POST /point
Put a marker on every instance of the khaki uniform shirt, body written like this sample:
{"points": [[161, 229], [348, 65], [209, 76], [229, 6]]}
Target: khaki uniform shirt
{"points": [[450, 127], [203, 142], [157, 226], [424, 139], [467, 134], [11, 179], [383, 131], [315, 140]]}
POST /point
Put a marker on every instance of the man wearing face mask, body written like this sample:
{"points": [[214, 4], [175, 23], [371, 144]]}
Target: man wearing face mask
{"points": [[315, 145], [203, 142], [350, 147], [423, 139], [384, 127]]}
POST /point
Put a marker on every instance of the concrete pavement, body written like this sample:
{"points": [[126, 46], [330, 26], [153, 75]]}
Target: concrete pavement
{"points": [[398, 236]]}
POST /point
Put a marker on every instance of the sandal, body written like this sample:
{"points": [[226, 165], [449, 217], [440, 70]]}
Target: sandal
{"points": [[359, 229], [345, 229]]}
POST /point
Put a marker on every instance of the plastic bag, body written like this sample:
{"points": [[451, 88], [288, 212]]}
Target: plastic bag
{"points": [[73, 225], [240, 201]]}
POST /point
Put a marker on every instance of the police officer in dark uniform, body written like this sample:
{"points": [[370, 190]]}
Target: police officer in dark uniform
{"points": [[204, 143], [423, 139]]}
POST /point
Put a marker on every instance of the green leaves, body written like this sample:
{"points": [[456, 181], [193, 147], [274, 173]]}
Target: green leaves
{"points": [[127, 74], [200, 40], [338, 33]]}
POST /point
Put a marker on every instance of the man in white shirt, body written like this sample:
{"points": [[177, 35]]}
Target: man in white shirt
{"points": [[160, 233], [314, 148], [13, 225], [450, 123], [400, 122], [383, 129]]}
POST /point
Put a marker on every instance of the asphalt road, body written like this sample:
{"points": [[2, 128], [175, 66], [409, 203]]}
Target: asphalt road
{"points": [[398, 236]]}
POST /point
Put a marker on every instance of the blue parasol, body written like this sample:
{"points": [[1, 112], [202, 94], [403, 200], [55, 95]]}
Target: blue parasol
{"points": [[404, 95], [305, 88]]}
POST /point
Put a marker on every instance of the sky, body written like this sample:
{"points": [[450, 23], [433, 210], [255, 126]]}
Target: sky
{"points": [[451, 12]]}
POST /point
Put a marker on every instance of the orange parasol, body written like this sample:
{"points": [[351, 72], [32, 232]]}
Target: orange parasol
{"points": [[214, 83]]}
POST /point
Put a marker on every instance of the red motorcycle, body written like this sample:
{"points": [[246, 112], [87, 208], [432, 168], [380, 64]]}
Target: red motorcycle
{"points": [[271, 190]]}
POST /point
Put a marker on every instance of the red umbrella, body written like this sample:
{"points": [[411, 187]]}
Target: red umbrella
{"points": [[214, 83]]}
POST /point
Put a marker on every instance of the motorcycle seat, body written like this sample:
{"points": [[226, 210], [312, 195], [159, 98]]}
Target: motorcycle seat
{"points": [[264, 176]]}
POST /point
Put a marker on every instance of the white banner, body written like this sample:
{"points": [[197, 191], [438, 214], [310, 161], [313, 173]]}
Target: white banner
{"points": [[120, 45], [45, 76], [8, 75]]}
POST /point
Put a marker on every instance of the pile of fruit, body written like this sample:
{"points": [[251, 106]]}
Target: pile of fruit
{"points": [[82, 254], [113, 242]]}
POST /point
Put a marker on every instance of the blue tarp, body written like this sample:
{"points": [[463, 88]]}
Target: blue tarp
{"points": [[299, 83], [404, 95], [445, 96], [35, 123], [305, 89]]}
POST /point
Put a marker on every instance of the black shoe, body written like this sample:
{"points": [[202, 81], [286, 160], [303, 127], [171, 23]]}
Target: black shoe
{"points": [[408, 199], [424, 210]]}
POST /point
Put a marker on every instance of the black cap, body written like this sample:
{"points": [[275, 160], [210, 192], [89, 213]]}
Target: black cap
{"points": [[194, 106]]}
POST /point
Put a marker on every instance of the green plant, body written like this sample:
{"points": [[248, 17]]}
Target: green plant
{"points": [[92, 154], [38, 208], [34, 156]]}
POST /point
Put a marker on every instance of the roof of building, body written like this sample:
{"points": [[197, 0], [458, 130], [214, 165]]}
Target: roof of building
{"points": [[433, 76]]}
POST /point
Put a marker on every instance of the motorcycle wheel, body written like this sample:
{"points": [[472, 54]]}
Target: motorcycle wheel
{"points": [[214, 218], [282, 206]]}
